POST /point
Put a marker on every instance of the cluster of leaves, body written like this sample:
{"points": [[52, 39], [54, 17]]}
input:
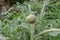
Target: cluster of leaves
{"points": [[53, 10], [14, 26]]}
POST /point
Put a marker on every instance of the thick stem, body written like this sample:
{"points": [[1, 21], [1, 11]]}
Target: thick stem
{"points": [[43, 8], [32, 31], [42, 14]]}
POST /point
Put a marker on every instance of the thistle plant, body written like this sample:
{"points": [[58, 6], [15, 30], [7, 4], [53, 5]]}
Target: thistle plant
{"points": [[35, 27], [32, 19]]}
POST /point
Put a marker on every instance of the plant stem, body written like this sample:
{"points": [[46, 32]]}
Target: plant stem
{"points": [[42, 14], [46, 31], [43, 8], [32, 31]]}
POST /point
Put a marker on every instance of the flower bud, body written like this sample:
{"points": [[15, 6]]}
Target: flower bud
{"points": [[31, 18]]}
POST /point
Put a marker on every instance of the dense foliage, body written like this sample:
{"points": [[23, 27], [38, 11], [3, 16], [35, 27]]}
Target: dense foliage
{"points": [[14, 26]]}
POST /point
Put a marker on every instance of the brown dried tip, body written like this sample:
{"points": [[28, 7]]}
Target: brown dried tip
{"points": [[31, 18]]}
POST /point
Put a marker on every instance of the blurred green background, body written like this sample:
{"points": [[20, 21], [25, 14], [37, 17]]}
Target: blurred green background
{"points": [[14, 26]]}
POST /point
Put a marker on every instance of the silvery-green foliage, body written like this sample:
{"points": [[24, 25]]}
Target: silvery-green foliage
{"points": [[15, 27]]}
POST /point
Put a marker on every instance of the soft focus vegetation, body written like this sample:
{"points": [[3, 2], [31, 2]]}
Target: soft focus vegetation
{"points": [[13, 24]]}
